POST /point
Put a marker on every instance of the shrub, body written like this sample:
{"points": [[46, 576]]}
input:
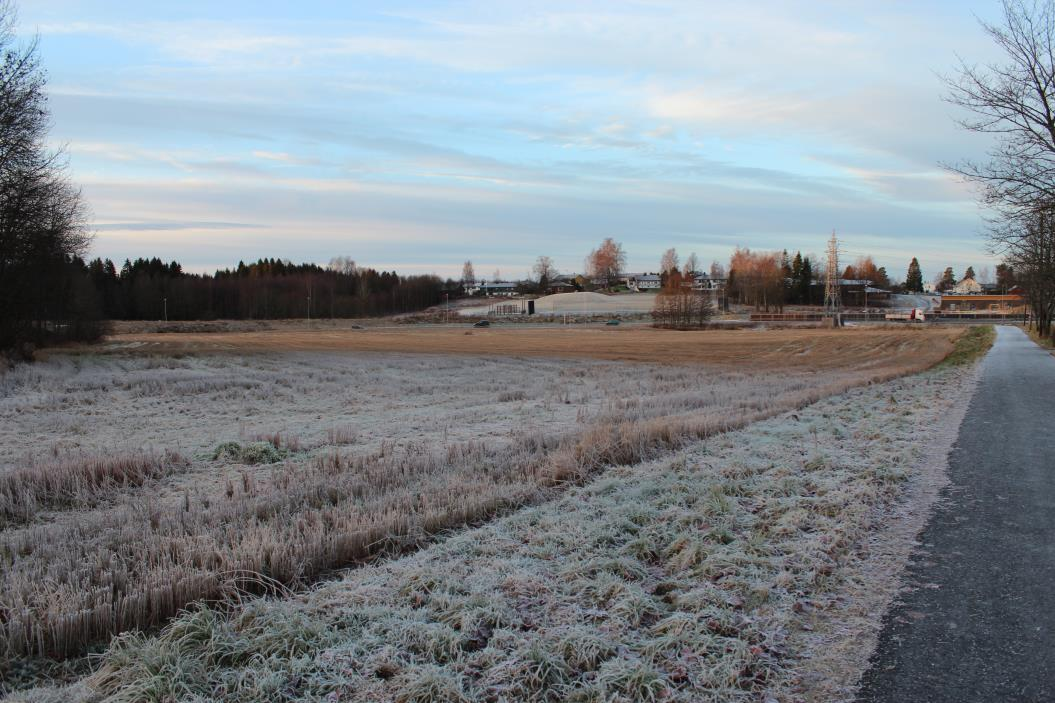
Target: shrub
{"points": [[251, 453]]}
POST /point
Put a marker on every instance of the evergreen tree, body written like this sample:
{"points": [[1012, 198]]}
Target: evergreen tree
{"points": [[882, 279], [969, 273], [805, 282], [1005, 277], [914, 279], [948, 280], [796, 274]]}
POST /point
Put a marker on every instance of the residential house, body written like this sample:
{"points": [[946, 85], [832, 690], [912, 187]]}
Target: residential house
{"points": [[643, 281], [499, 288]]}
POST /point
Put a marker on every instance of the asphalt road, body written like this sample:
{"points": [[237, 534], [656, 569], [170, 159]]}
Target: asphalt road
{"points": [[980, 625]]}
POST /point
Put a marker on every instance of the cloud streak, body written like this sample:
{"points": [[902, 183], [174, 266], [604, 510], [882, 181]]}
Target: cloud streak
{"points": [[432, 132]]}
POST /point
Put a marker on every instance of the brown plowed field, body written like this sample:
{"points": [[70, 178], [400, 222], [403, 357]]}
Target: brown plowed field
{"points": [[785, 348]]}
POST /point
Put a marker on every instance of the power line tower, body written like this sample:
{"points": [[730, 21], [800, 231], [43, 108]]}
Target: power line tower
{"points": [[832, 302]]}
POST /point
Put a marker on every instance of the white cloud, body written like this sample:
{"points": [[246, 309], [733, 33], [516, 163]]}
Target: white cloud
{"points": [[546, 125]]}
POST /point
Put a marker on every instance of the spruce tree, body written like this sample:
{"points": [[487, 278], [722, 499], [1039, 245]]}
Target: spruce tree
{"points": [[805, 282], [948, 280], [914, 279], [796, 275]]}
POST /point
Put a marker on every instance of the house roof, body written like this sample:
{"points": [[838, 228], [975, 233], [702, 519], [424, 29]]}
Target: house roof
{"points": [[967, 285]]}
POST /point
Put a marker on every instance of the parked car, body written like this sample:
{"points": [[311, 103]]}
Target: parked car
{"points": [[612, 322], [482, 323]]}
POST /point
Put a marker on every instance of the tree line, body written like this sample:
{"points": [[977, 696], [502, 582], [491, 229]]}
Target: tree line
{"points": [[149, 289]]}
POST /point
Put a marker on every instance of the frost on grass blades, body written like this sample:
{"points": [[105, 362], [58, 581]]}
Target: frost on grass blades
{"points": [[686, 578], [290, 465]]}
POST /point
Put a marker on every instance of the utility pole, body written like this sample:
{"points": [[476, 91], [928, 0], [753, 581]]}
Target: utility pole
{"points": [[832, 301], [165, 302]]}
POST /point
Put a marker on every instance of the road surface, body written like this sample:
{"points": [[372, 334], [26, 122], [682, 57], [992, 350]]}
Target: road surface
{"points": [[980, 624]]}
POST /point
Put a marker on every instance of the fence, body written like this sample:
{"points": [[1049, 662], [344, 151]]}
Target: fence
{"points": [[931, 316]]}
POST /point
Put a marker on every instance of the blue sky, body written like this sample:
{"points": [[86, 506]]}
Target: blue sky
{"points": [[415, 135]]}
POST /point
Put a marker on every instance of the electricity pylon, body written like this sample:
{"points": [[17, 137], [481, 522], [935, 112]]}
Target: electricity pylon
{"points": [[832, 301]]}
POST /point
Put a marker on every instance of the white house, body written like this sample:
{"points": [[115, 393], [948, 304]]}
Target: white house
{"points": [[644, 281], [703, 281], [967, 286]]}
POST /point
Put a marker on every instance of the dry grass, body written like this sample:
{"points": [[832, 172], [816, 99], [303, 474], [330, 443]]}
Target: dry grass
{"points": [[763, 349], [1043, 342], [677, 580], [78, 482], [971, 345], [139, 561]]}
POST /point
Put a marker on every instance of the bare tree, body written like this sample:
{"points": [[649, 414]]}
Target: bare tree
{"points": [[1030, 252], [692, 265], [669, 261], [544, 269], [717, 270], [607, 261], [680, 307], [756, 278], [1016, 101], [343, 264], [42, 216], [468, 274]]}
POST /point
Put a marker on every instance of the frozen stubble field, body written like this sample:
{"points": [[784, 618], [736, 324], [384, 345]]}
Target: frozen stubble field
{"points": [[727, 570], [119, 510]]}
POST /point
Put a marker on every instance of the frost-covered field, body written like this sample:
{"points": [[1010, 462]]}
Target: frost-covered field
{"points": [[117, 403], [701, 576], [133, 486]]}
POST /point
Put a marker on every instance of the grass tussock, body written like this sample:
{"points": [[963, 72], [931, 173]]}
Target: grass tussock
{"points": [[250, 453], [678, 580], [139, 562]]}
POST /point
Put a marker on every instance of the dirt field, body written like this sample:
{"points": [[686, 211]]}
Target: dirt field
{"points": [[771, 349]]}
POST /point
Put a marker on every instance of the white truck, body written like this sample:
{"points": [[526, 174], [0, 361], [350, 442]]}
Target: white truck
{"points": [[913, 315]]}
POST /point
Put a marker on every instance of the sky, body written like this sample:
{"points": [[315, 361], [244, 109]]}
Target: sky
{"points": [[416, 135]]}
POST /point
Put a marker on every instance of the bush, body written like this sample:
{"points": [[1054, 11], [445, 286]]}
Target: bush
{"points": [[252, 453]]}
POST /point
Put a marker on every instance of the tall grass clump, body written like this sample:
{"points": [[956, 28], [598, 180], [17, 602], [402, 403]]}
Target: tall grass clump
{"points": [[78, 482]]}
